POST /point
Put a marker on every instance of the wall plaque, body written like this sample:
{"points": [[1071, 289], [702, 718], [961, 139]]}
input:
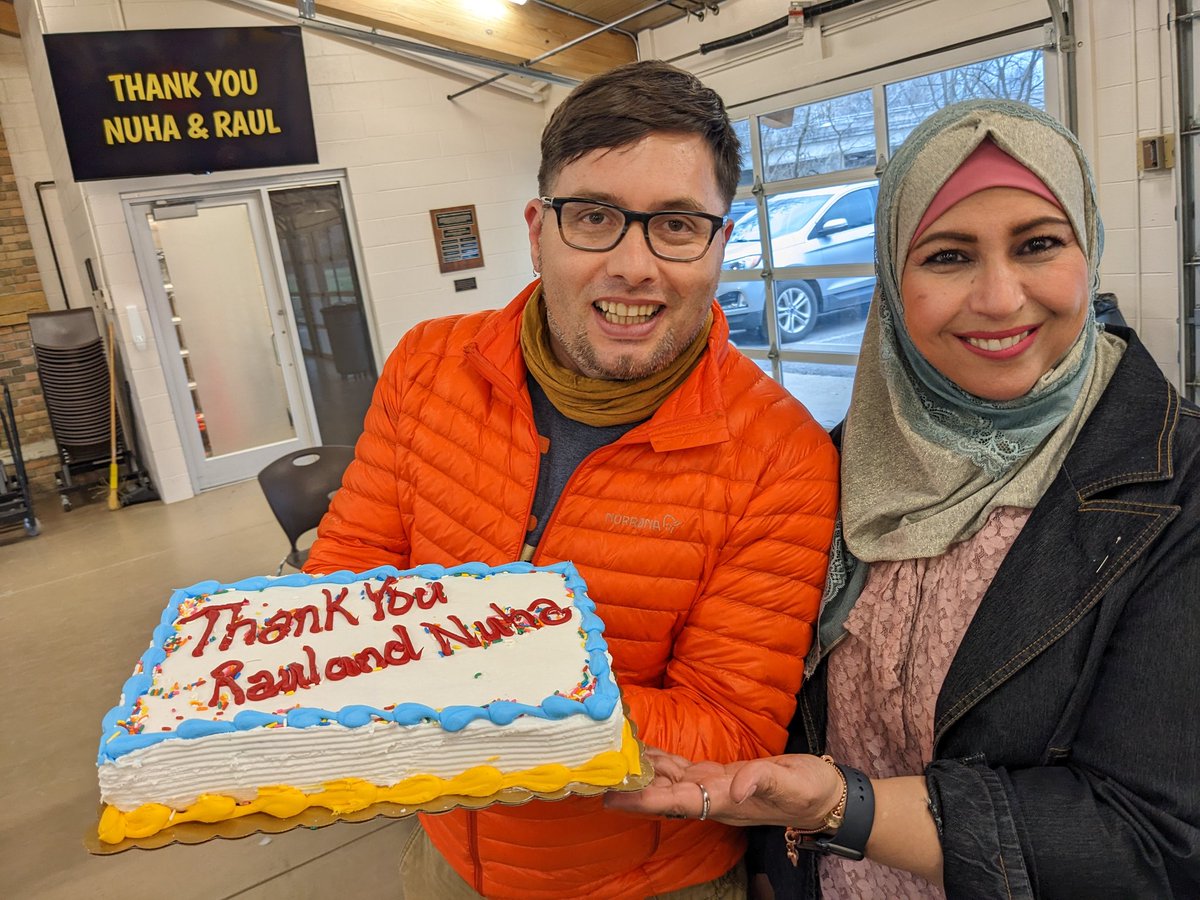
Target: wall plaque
{"points": [[456, 236]]}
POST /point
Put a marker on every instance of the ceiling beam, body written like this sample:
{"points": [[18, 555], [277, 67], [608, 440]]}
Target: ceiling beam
{"points": [[513, 34], [8, 20]]}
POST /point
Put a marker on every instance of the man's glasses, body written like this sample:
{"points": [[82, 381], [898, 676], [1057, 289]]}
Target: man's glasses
{"points": [[595, 226]]}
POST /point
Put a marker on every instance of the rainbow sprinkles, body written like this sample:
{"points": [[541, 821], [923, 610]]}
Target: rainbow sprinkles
{"points": [[273, 695]]}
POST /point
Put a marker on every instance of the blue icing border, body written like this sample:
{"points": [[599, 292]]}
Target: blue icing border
{"points": [[116, 742]]}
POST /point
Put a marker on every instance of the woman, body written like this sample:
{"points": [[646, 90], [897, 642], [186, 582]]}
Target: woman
{"points": [[1007, 645]]}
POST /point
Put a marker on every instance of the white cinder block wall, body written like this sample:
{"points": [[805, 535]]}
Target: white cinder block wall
{"points": [[406, 149], [1126, 92]]}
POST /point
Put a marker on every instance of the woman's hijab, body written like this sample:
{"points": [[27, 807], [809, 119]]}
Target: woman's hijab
{"points": [[923, 461]]}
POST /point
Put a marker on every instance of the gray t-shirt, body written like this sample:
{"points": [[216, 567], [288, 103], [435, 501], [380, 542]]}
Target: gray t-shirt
{"points": [[570, 442]]}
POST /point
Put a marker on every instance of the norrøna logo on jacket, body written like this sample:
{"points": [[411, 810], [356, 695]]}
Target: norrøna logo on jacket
{"points": [[667, 523]]}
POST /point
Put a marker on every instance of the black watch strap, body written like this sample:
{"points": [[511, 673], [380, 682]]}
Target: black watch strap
{"points": [[849, 841]]}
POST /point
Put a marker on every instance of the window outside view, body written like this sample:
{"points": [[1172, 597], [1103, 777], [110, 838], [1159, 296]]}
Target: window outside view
{"points": [[816, 254]]}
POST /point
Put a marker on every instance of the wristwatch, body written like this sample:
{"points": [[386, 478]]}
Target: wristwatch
{"points": [[847, 827]]}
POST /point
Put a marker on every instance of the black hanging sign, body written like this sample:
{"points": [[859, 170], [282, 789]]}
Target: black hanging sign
{"points": [[182, 100]]}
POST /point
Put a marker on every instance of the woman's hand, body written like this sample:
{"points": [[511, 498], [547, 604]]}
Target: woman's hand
{"points": [[782, 790]]}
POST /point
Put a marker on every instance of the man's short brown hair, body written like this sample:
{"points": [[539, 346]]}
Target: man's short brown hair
{"points": [[625, 104]]}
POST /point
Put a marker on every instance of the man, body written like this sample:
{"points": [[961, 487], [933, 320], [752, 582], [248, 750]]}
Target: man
{"points": [[602, 417]]}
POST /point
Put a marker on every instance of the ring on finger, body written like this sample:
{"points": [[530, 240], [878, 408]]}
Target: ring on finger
{"points": [[705, 801]]}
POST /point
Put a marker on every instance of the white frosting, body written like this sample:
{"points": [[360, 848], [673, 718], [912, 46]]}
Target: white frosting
{"points": [[236, 764], [526, 667]]}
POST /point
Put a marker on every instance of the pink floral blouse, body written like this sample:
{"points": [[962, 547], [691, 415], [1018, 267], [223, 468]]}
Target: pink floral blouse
{"points": [[885, 676]]}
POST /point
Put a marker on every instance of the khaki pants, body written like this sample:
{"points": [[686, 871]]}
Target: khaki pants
{"points": [[425, 875]]}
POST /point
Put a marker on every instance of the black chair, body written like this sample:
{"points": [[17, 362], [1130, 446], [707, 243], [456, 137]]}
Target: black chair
{"points": [[298, 487]]}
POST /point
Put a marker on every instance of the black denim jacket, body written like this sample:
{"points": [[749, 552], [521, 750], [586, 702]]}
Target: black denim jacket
{"points": [[1067, 732]]}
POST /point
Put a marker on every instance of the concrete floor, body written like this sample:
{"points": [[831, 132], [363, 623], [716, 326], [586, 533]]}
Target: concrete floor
{"points": [[77, 605]]}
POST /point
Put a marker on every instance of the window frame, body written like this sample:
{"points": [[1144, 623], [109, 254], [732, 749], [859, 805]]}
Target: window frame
{"points": [[1035, 37]]}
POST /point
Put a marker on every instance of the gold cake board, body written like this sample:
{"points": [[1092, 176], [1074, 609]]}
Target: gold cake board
{"points": [[318, 817]]}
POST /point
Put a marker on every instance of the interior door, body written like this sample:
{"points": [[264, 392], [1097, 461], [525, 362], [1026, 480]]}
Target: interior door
{"points": [[222, 326]]}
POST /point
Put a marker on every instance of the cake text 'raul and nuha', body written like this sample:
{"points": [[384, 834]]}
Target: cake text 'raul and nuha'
{"points": [[276, 694], [387, 601]]}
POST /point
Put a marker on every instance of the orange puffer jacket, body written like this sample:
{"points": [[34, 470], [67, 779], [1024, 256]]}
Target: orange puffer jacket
{"points": [[702, 534]]}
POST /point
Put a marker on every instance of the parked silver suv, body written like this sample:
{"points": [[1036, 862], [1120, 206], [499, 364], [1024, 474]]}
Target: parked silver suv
{"points": [[815, 227]]}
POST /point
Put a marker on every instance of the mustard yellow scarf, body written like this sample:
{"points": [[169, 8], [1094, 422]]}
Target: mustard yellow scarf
{"points": [[596, 401]]}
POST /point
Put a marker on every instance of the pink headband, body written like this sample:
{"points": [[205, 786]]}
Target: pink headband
{"points": [[987, 167]]}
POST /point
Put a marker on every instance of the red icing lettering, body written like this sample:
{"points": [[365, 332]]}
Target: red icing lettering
{"points": [[237, 622], [287, 676], [213, 614], [295, 677], [378, 596], [444, 635], [310, 613], [276, 628], [332, 606], [405, 604], [223, 677], [314, 678], [517, 618], [261, 686], [369, 659], [549, 612], [492, 629], [400, 602], [397, 653], [437, 595], [339, 667]]}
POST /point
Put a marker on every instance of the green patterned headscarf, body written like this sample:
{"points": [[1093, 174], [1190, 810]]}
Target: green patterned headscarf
{"points": [[923, 461]]}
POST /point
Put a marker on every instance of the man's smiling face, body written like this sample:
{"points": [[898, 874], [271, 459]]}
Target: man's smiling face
{"points": [[625, 314]]}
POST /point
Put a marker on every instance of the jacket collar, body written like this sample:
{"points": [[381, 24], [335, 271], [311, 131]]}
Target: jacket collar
{"points": [[1127, 438], [693, 416], [1077, 542]]}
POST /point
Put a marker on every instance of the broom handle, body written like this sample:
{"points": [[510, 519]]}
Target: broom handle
{"points": [[113, 500]]}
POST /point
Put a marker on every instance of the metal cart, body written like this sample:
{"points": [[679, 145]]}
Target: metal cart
{"points": [[16, 502]]}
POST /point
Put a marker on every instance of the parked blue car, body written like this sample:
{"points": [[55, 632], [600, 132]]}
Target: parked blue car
{"points": [[816, 227]]}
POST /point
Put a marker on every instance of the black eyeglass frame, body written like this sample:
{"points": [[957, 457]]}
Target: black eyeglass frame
{"points": [[631, 215]]}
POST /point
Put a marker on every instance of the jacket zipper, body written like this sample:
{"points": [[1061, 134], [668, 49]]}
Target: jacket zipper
{"points": [[621, 441]]}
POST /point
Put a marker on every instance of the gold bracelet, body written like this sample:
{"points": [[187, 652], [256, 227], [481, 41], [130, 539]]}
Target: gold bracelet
{"points": [[832, 821]]}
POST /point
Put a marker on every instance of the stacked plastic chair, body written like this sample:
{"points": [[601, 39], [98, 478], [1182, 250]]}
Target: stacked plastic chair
{"points": [[73, 371]]}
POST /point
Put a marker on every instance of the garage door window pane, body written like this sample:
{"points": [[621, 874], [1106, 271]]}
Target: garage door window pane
{"points": [[1018, 76], [742, 303], [746, 176], [829, 136], [823, 226]]}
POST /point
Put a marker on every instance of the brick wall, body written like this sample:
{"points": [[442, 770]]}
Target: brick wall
{"points": [[21, 294]]}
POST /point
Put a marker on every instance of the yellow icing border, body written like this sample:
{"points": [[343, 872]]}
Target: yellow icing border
{"points": [[348, 795]]}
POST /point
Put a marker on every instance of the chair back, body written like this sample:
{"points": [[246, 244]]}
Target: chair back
{"points": [[298, 487]]}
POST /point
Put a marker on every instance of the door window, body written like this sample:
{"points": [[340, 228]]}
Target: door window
{"points": [[327, 305]]}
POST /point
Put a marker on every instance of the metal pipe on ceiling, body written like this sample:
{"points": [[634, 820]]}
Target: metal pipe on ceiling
{"points": [[579, 40], [591, 20], [810, 12], [385, 40]]}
